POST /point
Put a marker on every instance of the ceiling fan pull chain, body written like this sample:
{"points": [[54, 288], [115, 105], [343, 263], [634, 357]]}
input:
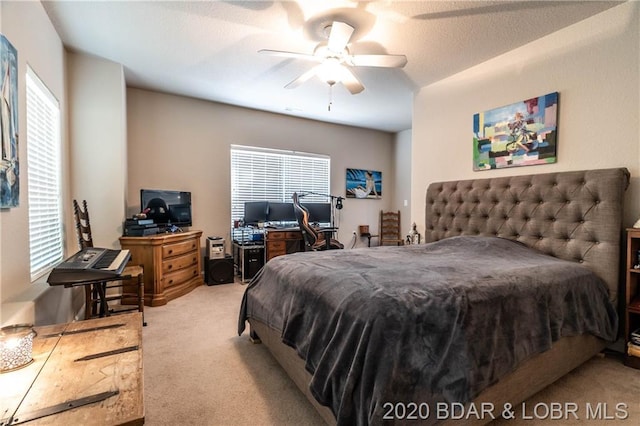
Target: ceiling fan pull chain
{"points": [[330, 98]]}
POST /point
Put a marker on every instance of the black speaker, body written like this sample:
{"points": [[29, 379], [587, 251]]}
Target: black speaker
{"points": [[218, 271]]}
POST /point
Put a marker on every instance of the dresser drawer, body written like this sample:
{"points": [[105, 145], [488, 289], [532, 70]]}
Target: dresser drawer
{"points": [[275, 236], [181, 276], [176, 249], [279, 245], [293, 235], [179, 262]]}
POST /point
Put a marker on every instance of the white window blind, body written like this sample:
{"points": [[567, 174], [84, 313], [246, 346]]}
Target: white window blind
{"points": [[44, 171], [259, 174]]}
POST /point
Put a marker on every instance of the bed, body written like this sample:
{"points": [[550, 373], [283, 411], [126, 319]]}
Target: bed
{"points": [[515, 286]]}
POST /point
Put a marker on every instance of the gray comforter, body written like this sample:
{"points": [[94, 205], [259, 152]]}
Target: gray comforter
{"points": [[426, 323]]}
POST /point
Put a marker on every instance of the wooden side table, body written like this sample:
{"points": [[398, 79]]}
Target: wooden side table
{"points": [[83, 373], [632, 296]]}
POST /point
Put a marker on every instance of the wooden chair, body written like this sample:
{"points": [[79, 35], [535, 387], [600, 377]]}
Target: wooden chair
{"points": [[314, 239], [390, 228], [130, 285]]}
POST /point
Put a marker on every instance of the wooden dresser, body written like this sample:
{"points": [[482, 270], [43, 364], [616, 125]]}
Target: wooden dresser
{"points": [[282, 241], [172, 264]]}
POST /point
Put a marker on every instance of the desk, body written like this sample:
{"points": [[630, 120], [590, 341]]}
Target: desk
{"points": [[281, 241], [98, 359]]}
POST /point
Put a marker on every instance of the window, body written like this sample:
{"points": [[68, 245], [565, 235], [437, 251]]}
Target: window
{"points": [[272, 175], [44, 181]]}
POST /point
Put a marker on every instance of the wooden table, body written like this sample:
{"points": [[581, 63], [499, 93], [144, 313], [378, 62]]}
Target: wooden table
{"points": [[97, 362]]}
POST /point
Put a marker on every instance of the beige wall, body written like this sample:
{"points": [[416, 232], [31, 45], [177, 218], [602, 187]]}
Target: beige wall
{"points": [[27, 27], [594, 65], [402, 166], [183, 144], [98, 145]]}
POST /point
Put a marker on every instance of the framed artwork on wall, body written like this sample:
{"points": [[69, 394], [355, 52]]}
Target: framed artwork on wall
{"points": [[521, 134], [364, 183], [9, 170]]}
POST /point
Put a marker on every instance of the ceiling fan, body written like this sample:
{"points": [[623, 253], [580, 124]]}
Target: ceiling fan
{"points": [[334, 59]]}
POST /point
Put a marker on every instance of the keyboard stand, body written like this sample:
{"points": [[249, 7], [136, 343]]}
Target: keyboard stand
{"points": [[131, 281]]}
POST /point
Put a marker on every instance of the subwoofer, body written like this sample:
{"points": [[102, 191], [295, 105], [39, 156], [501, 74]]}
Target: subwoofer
{"points": [[218, 271]]}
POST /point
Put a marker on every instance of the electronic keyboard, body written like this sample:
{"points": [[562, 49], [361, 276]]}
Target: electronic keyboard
{"points": [[90, 264]]}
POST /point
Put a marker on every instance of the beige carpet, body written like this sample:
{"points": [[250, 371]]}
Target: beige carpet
{"points": [[197, 371]]}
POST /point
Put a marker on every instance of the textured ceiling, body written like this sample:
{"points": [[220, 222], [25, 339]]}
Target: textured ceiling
{"points": [[208, 50]]}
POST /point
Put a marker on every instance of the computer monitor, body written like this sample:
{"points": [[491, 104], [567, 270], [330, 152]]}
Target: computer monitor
{"points": [[318, 212], [255, 211], [281, 212]]}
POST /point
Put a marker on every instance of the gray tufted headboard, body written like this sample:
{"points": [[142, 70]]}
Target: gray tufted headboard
{"points": [[574, 216]]}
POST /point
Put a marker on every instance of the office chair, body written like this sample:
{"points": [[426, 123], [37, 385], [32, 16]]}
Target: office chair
{"points": [[311, 236], [131, 281]]}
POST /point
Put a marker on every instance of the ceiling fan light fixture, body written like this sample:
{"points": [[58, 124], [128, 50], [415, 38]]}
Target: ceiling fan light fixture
{"points": [[330, 71]]}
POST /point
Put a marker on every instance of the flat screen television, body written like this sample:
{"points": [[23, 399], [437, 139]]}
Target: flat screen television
{"points": [[167, 207]]}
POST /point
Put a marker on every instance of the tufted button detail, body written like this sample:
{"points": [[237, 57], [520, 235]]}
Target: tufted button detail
{"points": [[540, 237], [581, 260]]}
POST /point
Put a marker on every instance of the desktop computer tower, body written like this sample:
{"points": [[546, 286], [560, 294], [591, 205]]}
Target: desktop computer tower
{"points": [[253, 260], [218, 271]]}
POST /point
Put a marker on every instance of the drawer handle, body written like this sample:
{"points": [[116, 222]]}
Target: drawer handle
{"points": [[195, 272], [193, 246], [170, 281], [170, 266], [170, 251], [194, 259]]}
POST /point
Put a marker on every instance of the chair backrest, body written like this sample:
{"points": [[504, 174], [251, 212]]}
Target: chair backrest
{"points": [[309, 234], [390, 228], [83, 226]]}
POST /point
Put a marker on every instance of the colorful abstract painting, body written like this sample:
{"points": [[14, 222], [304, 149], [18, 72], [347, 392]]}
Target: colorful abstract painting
{"points": [[520, 134], [9, 170], [364, 183]]}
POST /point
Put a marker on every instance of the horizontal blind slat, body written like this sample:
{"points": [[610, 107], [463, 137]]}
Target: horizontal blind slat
{"points": [[44, 182], [259, 174]]}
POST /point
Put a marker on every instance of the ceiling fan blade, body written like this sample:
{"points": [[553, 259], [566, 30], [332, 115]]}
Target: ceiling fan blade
{"points": [[386, 61], [304, 77], [339, 36], [292, 55], [351, 82]]}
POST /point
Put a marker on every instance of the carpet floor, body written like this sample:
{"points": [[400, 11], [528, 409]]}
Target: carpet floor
{"points": [[198, 371]]}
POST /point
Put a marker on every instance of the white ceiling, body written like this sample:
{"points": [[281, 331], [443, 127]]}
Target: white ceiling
{"points": [[208, 50]]}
